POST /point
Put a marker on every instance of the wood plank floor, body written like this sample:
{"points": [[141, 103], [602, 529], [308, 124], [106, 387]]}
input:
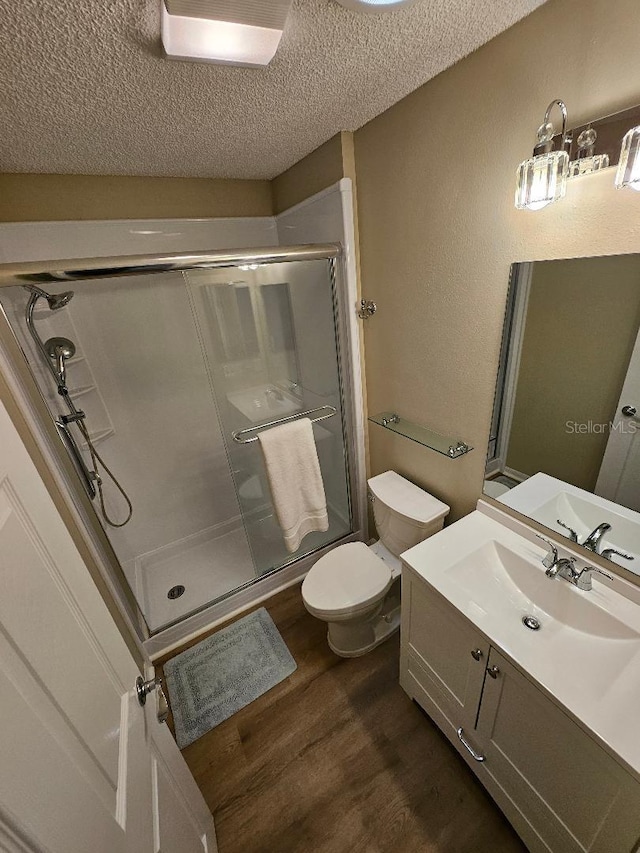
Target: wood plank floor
{"points": [[337, 759]]}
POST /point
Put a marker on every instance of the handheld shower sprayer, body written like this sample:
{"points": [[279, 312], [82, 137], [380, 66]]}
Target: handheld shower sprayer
{"points": [[60, 349]]}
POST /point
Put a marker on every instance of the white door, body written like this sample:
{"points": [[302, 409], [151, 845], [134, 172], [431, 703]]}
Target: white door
{"points": [[83, 767], [619, 477]]}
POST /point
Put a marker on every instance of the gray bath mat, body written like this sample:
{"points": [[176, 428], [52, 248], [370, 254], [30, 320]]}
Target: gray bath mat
{"points": [[211, 681]]}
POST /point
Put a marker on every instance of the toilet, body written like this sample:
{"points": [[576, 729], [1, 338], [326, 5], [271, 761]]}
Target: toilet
{"points": [[495, 489], [356, 587]]}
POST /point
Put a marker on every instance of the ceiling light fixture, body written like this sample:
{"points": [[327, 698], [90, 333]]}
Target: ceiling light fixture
{"points": [[223, 31], [374, 5], [543, 178]]}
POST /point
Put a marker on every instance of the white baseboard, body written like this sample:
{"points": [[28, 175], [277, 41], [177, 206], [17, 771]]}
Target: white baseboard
{"points": [[515, 475]]}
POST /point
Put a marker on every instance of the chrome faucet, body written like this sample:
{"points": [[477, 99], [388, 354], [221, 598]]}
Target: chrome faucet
{"points": [[565, 567], [592, 541], [273, 394]]}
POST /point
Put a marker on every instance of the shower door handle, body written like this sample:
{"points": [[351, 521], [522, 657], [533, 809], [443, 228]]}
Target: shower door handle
{"points": [[76, 457]]}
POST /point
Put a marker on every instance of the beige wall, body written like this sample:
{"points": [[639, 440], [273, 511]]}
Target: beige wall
{"points": [[320, 169], [582, 321], [37, 198], [438, 227]]}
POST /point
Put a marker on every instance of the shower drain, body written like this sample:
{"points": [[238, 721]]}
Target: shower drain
{"points": [[531, 622], [175, 592]]}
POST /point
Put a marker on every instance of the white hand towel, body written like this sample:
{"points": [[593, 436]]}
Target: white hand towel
{"points": [[293, 471]]}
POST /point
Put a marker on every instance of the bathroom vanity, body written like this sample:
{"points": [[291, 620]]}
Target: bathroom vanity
{"points": [[545, 715]]}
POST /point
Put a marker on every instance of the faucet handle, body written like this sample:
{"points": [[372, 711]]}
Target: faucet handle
{"points": [[583, 579], [572, 533], [608, 553], [552, 555]]}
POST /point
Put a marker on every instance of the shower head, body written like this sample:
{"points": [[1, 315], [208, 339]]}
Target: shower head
{"points": [[54, 300], [60, 349]]}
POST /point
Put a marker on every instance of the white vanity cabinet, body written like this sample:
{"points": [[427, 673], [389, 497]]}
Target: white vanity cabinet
{"points": [[560, 789]]}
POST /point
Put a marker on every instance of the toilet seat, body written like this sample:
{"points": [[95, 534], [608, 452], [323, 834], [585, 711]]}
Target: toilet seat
{"points": [[348, 579]]}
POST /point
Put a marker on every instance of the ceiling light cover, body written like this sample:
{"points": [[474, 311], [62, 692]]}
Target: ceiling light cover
{"points": [[222, 31], [374, 5]]}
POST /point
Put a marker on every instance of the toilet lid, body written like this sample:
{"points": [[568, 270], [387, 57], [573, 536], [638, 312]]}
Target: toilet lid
{"points": [[347, 578]]}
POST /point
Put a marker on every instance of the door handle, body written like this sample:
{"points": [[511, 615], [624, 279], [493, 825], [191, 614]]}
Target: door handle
{"points": [[143, 688], [475, 755], [629, 411], [493, 671], [476, 654]]}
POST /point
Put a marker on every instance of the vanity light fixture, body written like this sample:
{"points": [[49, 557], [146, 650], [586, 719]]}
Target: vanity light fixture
{"points": [[628, 174], [587, 161], [223, 31], [543, 178], [374, 5]]}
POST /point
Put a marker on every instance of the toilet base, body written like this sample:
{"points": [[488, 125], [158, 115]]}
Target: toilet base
{"points": [[349, 640]]}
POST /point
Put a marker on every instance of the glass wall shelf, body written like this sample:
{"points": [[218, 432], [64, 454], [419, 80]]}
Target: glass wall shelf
{"points": [[451, 447]]}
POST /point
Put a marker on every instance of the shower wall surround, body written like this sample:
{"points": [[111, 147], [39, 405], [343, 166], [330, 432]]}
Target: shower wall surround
{"points": [[167, 446]]}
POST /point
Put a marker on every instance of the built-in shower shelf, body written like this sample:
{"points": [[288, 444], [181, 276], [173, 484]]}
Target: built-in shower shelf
{"points": [[81, 391], [98, 436], [451, 447]]}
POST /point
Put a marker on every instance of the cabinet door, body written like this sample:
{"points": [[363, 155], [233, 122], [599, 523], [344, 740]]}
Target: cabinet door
{"points": [[443, 653], [575, 796]]}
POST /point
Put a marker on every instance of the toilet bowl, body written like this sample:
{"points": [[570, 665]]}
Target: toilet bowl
{"points": [[356, 588], [495, 489]]}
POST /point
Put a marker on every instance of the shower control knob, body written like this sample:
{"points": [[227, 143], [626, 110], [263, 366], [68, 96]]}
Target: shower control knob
{"points": [[629, 411]]}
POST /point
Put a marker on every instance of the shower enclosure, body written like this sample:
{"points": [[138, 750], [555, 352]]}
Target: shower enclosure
{"points": [[159, 374]]}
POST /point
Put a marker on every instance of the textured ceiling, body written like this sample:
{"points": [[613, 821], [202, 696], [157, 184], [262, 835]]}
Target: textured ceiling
{"points": [[85, 88]]}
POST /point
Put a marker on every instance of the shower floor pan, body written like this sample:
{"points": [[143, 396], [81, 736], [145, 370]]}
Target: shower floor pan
{"points": [[206, 570]]}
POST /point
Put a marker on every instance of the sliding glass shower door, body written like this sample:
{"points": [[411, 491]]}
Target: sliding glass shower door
{"points": [[269, 340], [174, 373]]}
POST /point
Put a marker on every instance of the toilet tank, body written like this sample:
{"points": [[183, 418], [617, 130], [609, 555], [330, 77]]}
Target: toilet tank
{"points": [[404, 513]]}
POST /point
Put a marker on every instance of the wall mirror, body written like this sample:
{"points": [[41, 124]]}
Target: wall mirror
{"points": [[564, 447]]}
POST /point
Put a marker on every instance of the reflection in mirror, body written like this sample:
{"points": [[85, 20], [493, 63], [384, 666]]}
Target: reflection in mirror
{"points": [[564, 447]]}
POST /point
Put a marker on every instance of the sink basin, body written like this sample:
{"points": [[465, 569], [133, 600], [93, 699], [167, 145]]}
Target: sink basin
{"points": [[264, 403], [507, 585], [547, 499]]}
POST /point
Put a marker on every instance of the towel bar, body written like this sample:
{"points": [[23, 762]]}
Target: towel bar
{"points": [[238, 435]]}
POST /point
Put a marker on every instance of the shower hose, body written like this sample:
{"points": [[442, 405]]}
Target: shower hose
{"points": [[96, 462]]}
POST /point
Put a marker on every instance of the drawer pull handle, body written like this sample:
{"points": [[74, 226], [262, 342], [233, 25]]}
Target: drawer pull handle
{"points": [[468, 747], [476, 654], [493, 671]]}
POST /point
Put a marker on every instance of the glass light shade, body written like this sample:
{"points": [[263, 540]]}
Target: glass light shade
{"points": [[542, 180], [588, 165], [628, 174]]}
